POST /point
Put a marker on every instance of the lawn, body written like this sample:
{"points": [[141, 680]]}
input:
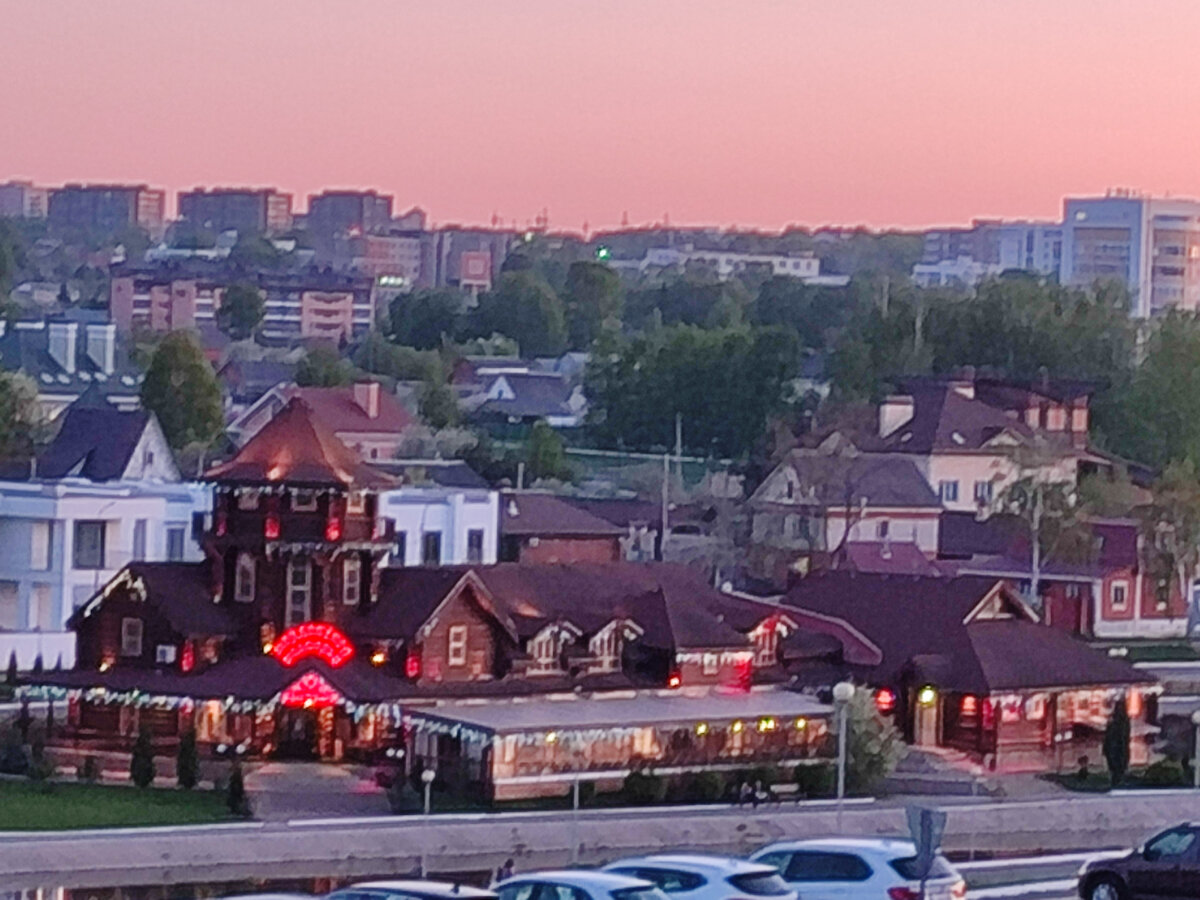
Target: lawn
{"points": [[25, 806]]}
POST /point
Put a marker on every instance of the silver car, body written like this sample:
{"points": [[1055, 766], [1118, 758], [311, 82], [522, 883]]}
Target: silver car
{"points": [[693, 876]]}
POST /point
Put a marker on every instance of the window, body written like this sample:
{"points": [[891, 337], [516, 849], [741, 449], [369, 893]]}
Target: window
{"points": [[760, 884], [175, 538], [39, 550], [356, 502], [400, 553], [671, 881], [456, 650], [247, 499], [881, 530], [815, 866], [304, 501], [710, 664], [948, 491], [906, 867], [139, 539], [165, 654], [1119, 592], [1170, 845], [131, 637], [475, 545], [983, 493], [89, 545], [299, 591], [431, 548], [10, 604], [351, 580], [243, 579], [41, 616]]}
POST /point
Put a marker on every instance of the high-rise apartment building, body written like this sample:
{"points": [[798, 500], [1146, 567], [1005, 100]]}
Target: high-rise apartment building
{"points": [[991, 246], [241, 209], [23, 200], [109, 207], [1152, 245], [333, 212]]}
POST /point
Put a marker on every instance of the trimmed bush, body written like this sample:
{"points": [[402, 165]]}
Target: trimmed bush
{"points": [[13, 759], [403, 797], [1164, 773], [141, 764], [816, 779], [187, 764], [644, 788], [235, 794]]}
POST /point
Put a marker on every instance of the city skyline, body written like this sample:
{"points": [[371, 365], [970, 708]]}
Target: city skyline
{"points": [[935, 115]]}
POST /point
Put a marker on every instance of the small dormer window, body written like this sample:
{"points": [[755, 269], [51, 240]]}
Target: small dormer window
{"points": [[356, 502], [304, 501], [247, 498]]}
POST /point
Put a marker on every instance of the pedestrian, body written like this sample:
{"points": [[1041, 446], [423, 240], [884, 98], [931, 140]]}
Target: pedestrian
{"points": [[759, 793], [745, 793], [505, 871]]}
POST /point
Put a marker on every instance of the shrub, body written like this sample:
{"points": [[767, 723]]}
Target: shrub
{"points": [[89, 769], [235, 794], [141, 763], [403, 797], [1164, 773], [644, 788], [701, 787], [1116, 742], [873, 746], [816, 779], [13, 760], [587, 793], [187, 764]]}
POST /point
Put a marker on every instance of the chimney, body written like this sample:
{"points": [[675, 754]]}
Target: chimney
{"points": [[62, 345], [895, 412], [366, 395], [102, 346]]}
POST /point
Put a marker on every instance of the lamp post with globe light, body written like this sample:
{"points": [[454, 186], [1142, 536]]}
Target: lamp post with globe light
{"points": [[843, 693], [427, 777]]}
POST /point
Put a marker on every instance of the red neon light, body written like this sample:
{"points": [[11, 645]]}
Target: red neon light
{"points": [[675, 679], [989, 715], [319, 639], [969, 705], [271, 527], [187, 659], [333, 529], [310, 690], [412, 664], [885, 700]]}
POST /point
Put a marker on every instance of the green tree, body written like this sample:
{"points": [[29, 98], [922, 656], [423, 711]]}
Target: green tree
{"points": [[873, 744], [235, 794], [241, 311], [525, 308], [817, 314], [141, 763], [187, 764], [1170, 526], [181, 389], [377, 355], [594, 299], [693, 299], [21, 422], [544, 453], [438, 406], [426, 319], [324, 367], [1116, 742], [253, 251]]}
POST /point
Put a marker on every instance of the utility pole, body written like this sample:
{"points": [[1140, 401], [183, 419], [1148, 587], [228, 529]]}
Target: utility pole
{"points": [[666, 502], [679, 446]]}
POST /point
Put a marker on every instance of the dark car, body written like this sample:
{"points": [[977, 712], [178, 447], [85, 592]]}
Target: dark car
{"points": [[1166, 867]]}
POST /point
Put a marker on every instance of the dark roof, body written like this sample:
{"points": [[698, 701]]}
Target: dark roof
{"points": [[451, 473], [888, 557], [619, 511], [879, 480], [999, 544], [920, 625], [95, 441], [963, 534], [529, 513], [182, 594], [538, 395], [248, 379], [25, 346], [946, 420], [671, 604], [299, 448], [340, 412]]}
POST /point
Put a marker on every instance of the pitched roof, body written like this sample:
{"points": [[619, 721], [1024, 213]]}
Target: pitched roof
{"points": [[95, 441], [340, 412], [25, 346], [946, 420], [453, 473], [537, 395], [537, 514], [298, 447], [920, 624], [878, 480], [182, 594], [888, 557], [620, 511]]}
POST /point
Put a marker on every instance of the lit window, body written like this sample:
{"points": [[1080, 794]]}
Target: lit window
{"points": [[131, 637], [710, 664], [243, 578], [356, 502], [456, 650], [351, 580]]}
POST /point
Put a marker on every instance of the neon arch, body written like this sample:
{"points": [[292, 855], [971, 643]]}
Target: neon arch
{"points": [[319, 639], [310, 691]]}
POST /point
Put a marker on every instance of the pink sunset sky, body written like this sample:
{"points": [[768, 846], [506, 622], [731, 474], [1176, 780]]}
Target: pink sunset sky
{"points": [[745, 112]]}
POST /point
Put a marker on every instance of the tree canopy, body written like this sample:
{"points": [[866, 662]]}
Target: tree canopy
{"points": [[241, 311], [524, 307], [425, 319], [182, 390], [324, 367]]}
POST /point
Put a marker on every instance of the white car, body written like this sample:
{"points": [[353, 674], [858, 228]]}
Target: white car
{"points": [[686, 876], [576, 884], [860, 869], [410, 890]]}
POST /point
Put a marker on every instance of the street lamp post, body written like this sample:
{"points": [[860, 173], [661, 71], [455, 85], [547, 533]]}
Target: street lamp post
{"points": [[427, 777], [843, 693], [1196, 751]]}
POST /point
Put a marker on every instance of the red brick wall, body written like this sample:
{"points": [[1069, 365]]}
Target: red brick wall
{"points": [[572, 550], [480, 645]]}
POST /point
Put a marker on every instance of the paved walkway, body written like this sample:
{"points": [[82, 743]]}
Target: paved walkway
{"points": [[289, 790]]}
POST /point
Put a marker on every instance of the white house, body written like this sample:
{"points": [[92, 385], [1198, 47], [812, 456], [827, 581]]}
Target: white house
{"points": [[60, 541]]}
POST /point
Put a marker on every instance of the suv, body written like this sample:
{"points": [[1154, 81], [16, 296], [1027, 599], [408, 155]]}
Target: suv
{"points": [[860, 869], [410, 890], [577, 884], [697, 877], [1166, 867]]}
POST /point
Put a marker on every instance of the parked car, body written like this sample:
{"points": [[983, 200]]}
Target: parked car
{"points": [[698, 877], [270, 897], [577, 885], [1166, 867], [860, 869], [410, 890]]}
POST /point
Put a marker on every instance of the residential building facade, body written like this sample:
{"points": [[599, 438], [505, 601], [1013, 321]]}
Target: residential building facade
{"points": [[23, 200], [109, 207], [334, 212], [245, 210]]}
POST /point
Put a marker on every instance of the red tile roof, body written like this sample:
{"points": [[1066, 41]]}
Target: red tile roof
{"points": [[338, 411], [543, 515], [298, 447]]}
